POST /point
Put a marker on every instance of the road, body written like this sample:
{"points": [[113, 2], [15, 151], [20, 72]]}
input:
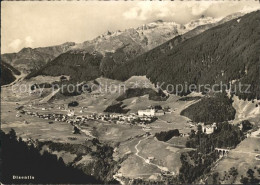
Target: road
{"points": [[215, 164], [255, 134], [117, 177]]}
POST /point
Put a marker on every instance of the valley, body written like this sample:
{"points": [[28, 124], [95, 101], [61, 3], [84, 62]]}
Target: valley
{"points": [[136, 151]]}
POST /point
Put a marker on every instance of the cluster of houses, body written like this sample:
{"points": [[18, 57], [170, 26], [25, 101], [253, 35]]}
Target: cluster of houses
{"points": [[71, 118], [142, 117], [53, 116], [118, 118]]}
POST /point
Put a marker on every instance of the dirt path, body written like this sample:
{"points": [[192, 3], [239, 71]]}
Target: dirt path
{"points": [[147, 160]]}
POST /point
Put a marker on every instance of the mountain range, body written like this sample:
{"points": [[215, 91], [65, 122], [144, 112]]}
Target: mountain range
{"points": [[128, 43], [202, 51], [119, 47]]}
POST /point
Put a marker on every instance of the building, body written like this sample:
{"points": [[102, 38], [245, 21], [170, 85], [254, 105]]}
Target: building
{"points": [[159, 113], [146, 112], [208, 129], [71, 113], [151, 112]]}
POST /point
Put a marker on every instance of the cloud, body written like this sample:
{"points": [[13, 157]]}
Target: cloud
{"points": [[15, 44], [247, 9], [133, 13], [145, 10], [164, 12], [198, 8], [18, 44], [29, 41]]}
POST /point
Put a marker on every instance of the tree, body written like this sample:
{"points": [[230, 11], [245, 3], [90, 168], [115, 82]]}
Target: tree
{"points": [[192, 133], [199, 127], [215, 178], [244, 180], [246, 125], [250, 173], [12, 134]]}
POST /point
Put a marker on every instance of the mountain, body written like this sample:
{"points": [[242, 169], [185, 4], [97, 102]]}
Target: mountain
{"points": [[126, 44], [29, 59], [119, 47], [144, 37], [225, 53]]}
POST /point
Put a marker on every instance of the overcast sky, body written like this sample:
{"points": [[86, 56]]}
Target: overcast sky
{"points": [[46, 23]]}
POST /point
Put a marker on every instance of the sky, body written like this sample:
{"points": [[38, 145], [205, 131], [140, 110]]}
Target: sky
{"points": [[46, 23]]}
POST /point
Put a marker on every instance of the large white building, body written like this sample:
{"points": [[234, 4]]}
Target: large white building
{"points": [[146, 112]]}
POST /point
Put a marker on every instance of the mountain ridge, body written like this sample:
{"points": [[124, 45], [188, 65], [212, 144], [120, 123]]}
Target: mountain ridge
{"points": [[131, 42], [123, 53]]}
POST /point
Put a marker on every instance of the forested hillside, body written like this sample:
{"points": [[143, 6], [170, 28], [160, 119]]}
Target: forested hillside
{"points": [[7, 73], [217, 108], [78, 65], [224, 53]]}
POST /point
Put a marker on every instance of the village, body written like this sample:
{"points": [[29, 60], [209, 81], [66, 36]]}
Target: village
{"points": [[142, 117]]}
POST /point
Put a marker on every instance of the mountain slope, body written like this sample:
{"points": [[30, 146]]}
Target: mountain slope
{"points": [[228, 52], [29, 59]]}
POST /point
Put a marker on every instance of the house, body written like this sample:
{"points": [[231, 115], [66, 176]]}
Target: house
{"points": [[159, 113], [71, 113], [149, 159]]}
